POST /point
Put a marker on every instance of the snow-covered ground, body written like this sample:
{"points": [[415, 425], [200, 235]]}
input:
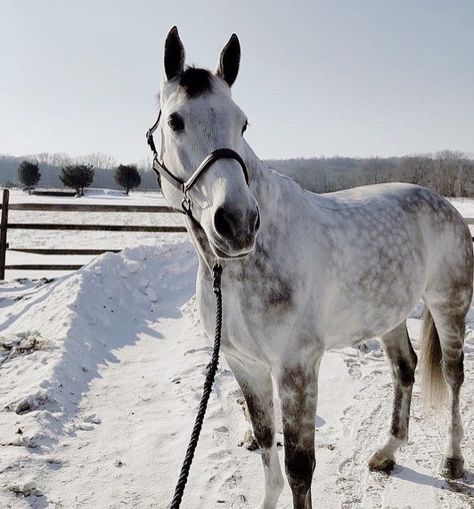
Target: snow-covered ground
{"points": [[101, 373]]}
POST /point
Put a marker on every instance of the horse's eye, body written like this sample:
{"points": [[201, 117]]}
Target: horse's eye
{"points": [[244, 128], [176, 122]]}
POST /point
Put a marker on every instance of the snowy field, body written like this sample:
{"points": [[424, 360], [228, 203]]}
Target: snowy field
{"points": [[101, 373]]}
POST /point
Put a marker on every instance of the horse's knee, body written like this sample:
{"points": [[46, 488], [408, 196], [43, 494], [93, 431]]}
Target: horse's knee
{"points": [[405, 370], [262, 421], [401, 355], [453, 368], [264, 435], [299, 466]]}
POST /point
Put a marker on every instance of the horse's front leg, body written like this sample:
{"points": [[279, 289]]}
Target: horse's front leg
{"points": [[298, 391], [256, 384]]}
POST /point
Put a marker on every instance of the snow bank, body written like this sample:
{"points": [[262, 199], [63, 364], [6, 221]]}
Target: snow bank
{"points": [[54, 338]]}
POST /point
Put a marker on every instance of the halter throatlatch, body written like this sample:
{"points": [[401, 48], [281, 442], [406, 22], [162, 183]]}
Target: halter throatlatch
{"points": [[184, 187]]}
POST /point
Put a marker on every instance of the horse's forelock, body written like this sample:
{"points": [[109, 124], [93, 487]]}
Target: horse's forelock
{"points": [[195, 81]]}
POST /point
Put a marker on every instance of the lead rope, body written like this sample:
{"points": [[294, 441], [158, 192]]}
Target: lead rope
{"points": [[211, 373]]}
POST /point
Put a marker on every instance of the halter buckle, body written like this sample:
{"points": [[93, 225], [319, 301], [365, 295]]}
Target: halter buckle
{"points": [[186, 205]]}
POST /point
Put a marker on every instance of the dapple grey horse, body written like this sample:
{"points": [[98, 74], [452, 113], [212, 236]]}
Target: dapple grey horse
{"points": [[304, 272]]}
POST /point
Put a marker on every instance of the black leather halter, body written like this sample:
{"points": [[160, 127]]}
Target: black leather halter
{"points": [[161, 170]]}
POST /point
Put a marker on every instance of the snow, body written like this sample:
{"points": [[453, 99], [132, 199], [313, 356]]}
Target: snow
{"points": [[102, 371], [93, 196], [464, 205]]}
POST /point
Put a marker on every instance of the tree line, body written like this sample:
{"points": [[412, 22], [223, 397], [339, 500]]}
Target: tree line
{"points": [[51, 166], [449, 173]]}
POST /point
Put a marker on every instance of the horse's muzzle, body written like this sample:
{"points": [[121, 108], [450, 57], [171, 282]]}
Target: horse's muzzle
{"points": [[234, 231]]}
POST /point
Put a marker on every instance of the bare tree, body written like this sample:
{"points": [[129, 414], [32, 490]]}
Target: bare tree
{"points": [[446, 168], [97, 160], [371, 168]]}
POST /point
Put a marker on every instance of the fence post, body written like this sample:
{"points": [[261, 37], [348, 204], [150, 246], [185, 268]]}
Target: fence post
{"points": [[3, 232]]}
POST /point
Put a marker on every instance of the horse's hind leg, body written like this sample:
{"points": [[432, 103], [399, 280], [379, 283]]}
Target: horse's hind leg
{"points": [[256, 384], [448, 336], [403, 361]]}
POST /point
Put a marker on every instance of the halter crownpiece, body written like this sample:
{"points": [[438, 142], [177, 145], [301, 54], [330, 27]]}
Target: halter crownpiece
{"points": [[161, 170]]}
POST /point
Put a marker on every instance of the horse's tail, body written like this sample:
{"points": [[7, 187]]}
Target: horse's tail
{"points": [[433, 385]]}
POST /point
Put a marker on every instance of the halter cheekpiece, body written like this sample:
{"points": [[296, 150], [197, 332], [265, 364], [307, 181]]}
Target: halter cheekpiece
{"points": [[184, 187]]}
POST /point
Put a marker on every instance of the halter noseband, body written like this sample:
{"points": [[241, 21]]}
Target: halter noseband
{"points": [[161, 170]]}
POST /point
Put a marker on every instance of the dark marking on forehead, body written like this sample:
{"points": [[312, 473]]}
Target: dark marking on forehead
{"points": [[195, 81]]}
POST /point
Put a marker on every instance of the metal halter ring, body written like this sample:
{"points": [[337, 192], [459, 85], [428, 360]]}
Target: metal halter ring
{"points": [[186, 205]]}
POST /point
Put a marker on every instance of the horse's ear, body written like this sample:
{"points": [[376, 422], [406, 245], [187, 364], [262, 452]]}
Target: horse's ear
{"points": [[174, 54], [229, 61]]}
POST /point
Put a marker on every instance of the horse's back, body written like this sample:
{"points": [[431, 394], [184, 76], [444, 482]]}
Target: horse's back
{"points": [[410, 197], [395, 206]]}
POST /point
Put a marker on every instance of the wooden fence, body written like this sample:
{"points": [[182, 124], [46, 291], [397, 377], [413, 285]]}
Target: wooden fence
{"points": [[6, 225]]}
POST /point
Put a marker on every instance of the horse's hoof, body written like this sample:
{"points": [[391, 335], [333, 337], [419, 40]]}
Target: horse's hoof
{"points": [[249, 442], [252, 445], [452, 468], [378, 462]]}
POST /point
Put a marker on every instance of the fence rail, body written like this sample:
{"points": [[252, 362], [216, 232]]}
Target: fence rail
{"points": [[28, 266], [63, 251], [69, 207], [97, 227], [5, 225]]}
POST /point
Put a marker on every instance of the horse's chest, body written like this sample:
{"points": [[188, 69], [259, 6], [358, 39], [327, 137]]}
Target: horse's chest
{"points": [[258, 304]]}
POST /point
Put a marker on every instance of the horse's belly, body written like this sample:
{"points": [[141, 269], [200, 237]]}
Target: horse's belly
{"points": [[364, 315], [353, 333]]}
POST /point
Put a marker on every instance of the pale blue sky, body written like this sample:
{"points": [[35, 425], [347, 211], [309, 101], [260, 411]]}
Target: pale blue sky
{"points": [[356, 78]]}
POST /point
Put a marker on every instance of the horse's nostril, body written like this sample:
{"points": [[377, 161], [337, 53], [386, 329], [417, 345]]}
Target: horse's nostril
{"points": [[223, 223], [257, 221]]}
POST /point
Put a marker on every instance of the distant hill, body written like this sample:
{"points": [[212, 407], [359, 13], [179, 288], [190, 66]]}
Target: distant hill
{"points": [[449, 173]]}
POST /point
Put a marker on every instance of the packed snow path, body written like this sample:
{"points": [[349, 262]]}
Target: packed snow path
{"points": [[101, 377]]}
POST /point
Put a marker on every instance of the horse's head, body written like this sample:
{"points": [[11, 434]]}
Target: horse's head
{"points": [[199, 117]]}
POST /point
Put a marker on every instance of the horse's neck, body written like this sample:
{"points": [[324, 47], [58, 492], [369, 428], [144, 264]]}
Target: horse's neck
{"points": [[263, 182], [275, 193]]}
